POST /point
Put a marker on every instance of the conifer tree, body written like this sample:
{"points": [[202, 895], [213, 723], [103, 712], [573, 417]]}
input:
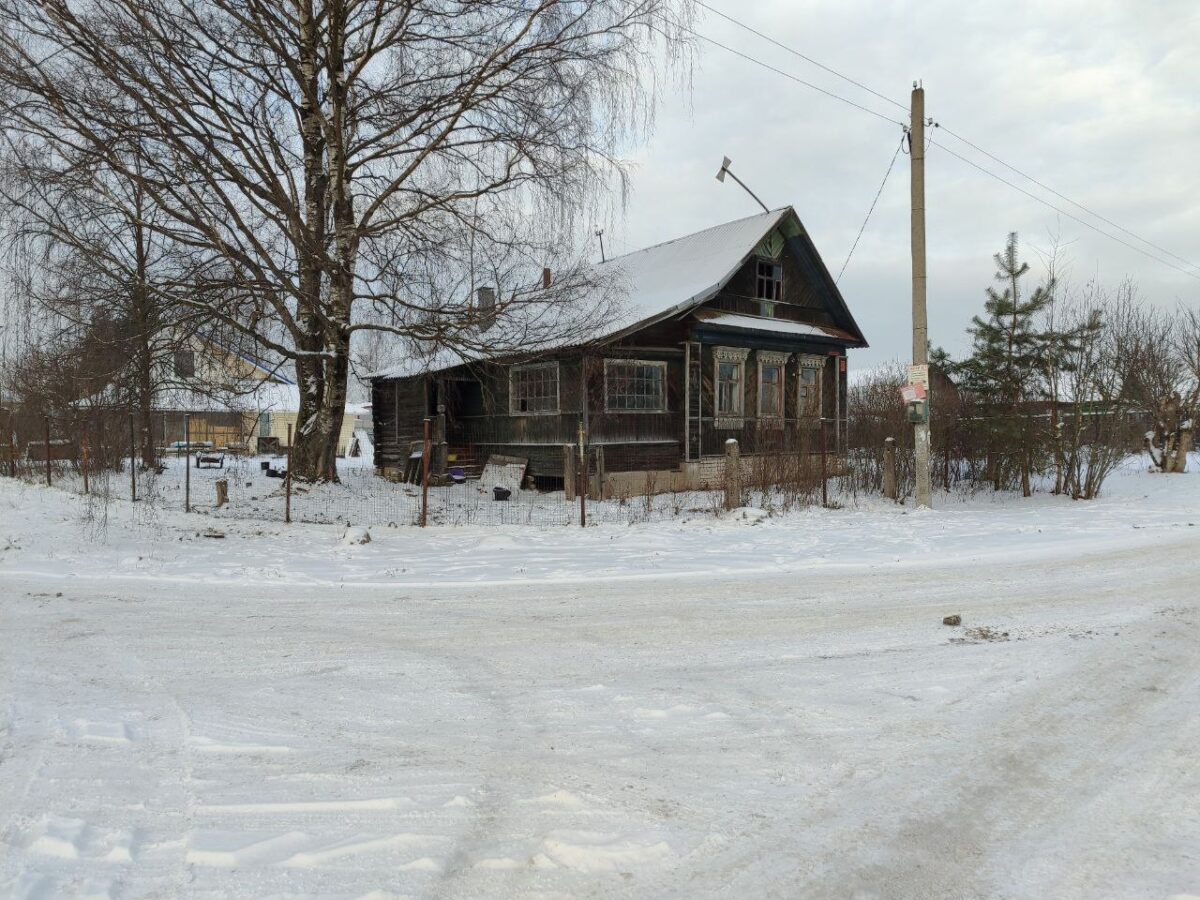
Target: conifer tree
{"points": [[1007, 367]]}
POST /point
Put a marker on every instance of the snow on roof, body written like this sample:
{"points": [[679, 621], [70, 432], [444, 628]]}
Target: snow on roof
{"points": [[263, 396], [776, 326], [677, 275], [248, 397], [649, 284]]}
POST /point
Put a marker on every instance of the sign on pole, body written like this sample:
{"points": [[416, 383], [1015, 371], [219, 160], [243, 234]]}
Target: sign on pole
{"points": [[919, 374]]}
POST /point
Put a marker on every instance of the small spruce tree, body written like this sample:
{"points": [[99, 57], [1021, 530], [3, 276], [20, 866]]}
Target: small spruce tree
{"points": [[1006, 371]]}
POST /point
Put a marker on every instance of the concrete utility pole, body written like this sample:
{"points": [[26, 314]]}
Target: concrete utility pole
{"points": [[920, 328]]}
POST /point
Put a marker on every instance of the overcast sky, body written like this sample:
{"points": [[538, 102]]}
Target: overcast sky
{"points": [[1099, 100]]}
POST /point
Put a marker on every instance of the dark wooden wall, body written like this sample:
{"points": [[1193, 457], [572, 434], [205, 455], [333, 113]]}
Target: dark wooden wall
{"points": [[479, 417], [398, 408], [802, 300]]}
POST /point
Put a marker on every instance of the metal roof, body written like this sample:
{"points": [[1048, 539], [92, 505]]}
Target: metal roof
{"points": [[676, 275], [653, 284]]}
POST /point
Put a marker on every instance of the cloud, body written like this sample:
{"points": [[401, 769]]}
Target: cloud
{"points": [[1096, 99]]}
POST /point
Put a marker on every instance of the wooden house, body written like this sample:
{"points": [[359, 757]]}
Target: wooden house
{"points": [[229, 398], [738, 331]]}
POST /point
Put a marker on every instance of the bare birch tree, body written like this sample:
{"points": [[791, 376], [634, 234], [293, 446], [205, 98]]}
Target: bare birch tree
{"points": [[102, 280], [1159, 356], [334, 166]]}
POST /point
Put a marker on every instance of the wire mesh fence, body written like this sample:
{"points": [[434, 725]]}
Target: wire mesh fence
{"points": [[103, 458]]}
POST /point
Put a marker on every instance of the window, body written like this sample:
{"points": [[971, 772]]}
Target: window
{"points": [[770, 384], [770, 387], [635, 386], [810, 386], [729, 382], [533, 390], [769, 284], [185, 364], [729, 389]]}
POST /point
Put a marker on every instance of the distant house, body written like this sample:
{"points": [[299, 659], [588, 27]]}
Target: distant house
{"points": [[230, 399], [737, 331]]}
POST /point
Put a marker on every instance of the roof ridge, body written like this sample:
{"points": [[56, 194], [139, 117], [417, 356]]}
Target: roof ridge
{"points": [[684, 237]]}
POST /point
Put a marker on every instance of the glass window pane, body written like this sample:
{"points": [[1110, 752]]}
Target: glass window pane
{"points": [[635, 386], [770, 400], [729, 389], [535, 389]]}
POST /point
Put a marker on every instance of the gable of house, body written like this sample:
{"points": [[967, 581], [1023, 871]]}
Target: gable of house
{"points": [[714, 269]]}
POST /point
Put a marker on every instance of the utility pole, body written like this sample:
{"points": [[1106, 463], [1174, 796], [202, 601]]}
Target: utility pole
{"points": [[920, 327]]}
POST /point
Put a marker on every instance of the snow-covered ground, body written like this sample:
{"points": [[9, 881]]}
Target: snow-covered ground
{"points": [[701, 708]]}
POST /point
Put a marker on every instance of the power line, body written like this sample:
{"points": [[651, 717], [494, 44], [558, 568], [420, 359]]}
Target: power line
{"points": [[1061, 196], [791, 77], [795, 52], [1163, 250], [1063, 212], [878, 193]]}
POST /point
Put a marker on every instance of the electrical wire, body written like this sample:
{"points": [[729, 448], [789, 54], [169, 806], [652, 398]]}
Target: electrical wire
{"points": [[1061, 196], [1071, 216], [791, 77], [792, 50], [795, 52], [878, 194]]}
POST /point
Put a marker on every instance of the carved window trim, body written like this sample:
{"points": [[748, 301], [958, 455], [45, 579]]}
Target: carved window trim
{"points": [[734, 417], [811, 385], [772, 359]]}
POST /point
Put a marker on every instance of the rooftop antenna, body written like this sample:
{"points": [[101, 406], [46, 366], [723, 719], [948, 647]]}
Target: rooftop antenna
{"points": [[726, 162], [600, 234]]}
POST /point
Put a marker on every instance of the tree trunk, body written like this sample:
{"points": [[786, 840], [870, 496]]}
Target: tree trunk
{"points": [[1176, 461], [314, 445], [147, 323], [145, 412], [322, 382]]}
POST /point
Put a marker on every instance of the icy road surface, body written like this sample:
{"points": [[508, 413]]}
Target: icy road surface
{"points": [[814, 733], [777, 737]]}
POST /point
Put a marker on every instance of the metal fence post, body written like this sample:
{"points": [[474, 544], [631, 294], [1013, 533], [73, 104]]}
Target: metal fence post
{"points": [[187, 463], [48, 479], [287, 502], [570, 473], [583, 480], [132, 462], [426, 449], [889, 469], [824, 463]]}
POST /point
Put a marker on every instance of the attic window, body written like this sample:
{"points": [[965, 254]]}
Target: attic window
{"points": [[533, 390], [769, 283], [185, 364]]}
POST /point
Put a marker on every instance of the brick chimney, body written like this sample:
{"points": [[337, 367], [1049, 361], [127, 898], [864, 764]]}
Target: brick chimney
{"points": [[485, 307]]}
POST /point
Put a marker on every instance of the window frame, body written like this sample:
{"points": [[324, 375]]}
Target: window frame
{"points": [[650, 363], [774, 278], [531, 367], [815, 364], [768, 359], [735, 356], [176, 368]]}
